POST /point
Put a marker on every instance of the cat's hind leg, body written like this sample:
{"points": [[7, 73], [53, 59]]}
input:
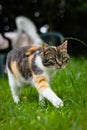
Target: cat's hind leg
{"points": [[13, 86]]}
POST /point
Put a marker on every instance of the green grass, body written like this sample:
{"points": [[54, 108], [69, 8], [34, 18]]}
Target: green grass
{"points": [[70, 84]]}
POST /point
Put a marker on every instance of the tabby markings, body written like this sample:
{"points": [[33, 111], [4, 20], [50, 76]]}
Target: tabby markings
{"points": [[41, 82]]}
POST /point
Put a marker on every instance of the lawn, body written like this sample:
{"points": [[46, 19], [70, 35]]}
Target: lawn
{"points": [[70, 84]]}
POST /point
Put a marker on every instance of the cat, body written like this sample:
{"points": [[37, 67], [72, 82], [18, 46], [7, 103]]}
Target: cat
{"points": [[25, 34], [36, 65]]}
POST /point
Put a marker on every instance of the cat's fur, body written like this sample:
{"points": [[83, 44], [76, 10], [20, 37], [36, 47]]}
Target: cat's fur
{"points": [[25, 34], [36, 65]]}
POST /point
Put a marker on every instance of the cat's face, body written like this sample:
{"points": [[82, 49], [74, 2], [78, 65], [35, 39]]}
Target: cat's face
{"points": [[56, 56]]}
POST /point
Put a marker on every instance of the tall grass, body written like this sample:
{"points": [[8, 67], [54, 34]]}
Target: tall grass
{"points": [[70, 84]]}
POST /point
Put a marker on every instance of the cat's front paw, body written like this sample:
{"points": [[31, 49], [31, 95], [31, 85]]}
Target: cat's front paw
{"points": [[16, 99], [58, 103]]}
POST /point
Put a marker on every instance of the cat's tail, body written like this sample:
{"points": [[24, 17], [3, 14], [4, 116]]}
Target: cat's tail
{"points": [[26, 25]]}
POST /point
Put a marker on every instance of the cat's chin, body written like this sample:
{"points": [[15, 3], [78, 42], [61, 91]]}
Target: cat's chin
{"points": [[63, 67], [60, 67]]}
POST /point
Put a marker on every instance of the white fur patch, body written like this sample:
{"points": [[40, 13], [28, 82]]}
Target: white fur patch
{"points": [[39, 63], [49, 72]]}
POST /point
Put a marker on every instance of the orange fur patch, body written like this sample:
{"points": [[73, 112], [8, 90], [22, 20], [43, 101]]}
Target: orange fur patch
{"points": [[14, 69], [41, 82], [30, 50], [42, 86], [30, 62]]}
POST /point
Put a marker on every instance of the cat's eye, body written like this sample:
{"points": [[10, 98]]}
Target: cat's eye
{"points": [[66, 59], [59, 55]]}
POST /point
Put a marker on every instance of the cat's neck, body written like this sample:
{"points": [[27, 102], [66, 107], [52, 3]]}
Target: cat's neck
{"points": [[48, 71]]}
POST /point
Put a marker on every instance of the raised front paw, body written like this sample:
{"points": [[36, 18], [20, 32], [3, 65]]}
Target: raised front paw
{"points": [[58, 103]]}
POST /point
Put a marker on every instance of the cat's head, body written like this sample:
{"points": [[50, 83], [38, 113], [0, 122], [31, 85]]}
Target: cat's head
{"points": [[55, 56]]}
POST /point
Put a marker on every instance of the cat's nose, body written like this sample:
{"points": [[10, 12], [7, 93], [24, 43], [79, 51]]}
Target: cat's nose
{"points": [[59, 62]]}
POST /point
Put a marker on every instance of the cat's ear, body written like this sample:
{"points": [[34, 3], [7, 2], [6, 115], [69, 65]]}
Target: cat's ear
{"points": [[64, 45], [44, 46]]}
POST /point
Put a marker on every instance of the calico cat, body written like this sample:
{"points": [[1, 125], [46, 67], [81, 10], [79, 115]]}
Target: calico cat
{"points": [[36, 65]]}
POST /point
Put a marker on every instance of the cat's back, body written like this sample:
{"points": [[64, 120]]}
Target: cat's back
{"points": [[16, 53], [21, 61], [16, 59]]}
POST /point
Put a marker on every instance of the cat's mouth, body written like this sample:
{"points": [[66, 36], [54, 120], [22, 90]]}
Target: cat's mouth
{"points": [[60, 67]]}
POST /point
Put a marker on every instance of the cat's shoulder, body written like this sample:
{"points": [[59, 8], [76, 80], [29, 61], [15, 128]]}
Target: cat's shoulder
{"points": [[24, 51]]}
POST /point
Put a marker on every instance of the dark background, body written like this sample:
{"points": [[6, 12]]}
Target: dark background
{"points": [[68, 17]]}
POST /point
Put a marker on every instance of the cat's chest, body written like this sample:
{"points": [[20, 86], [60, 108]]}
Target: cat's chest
{"points": [[48, 72]]}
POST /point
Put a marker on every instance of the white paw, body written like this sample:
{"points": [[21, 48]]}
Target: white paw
{"points": [[16, 99], [58, 103]]}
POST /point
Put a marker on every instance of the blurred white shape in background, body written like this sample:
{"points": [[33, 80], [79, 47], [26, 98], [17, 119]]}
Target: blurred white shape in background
{"points": [[44, 28]]}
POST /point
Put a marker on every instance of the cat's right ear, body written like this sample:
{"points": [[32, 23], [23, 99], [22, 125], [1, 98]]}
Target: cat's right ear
{"points": [[44, 46]]}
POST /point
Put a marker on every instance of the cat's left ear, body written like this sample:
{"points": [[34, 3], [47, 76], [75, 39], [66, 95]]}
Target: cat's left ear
{"points": [[44, 46], [64, 45]]}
